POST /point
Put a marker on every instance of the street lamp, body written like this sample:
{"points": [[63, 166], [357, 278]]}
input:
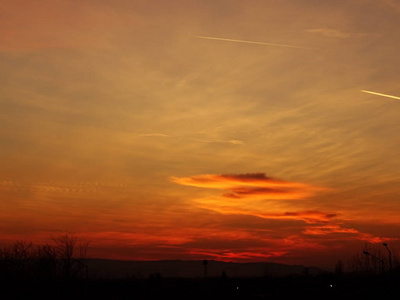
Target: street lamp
{"points": [[390, 255], [376, 258]]}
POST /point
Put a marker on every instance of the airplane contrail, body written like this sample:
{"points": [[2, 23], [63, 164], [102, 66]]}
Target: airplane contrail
{"points": [[379, 94], [250, 42]]}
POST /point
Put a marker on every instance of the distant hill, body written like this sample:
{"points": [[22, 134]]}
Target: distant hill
{"points": [[117, 269]]}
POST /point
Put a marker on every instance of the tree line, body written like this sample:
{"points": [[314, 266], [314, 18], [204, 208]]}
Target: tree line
{"points": [[62, 258]]}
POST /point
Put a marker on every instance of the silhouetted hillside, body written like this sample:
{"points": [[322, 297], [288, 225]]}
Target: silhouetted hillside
{"points": [[60, 271], [109, 279], [116, 269]]}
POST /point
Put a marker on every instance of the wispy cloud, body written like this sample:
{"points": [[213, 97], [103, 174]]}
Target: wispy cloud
{"points": [[321, 230], [59, 187], [234, 142], [327, 228], [205, 140], [393, 5], [330, 32], [220, 254], [229, 208], [153, 135]]}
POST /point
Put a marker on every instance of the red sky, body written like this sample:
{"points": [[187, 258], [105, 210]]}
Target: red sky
{"points": [[120, 124]]}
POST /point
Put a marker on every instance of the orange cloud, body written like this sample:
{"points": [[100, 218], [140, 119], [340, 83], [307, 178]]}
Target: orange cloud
{"points": [[254, 185], [225, 255], [336, 228], [255, 194], [374, 239], [326, 229], [309, 217], [248, 194]]}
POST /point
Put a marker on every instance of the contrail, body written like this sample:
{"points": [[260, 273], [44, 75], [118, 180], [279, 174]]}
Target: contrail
{"points": [[379, 94], [250, 42], [153, 135]]}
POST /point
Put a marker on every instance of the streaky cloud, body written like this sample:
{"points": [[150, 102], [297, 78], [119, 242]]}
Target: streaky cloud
{"points": [[61, 187], [234, 142], [334, 33], [223, 254]]}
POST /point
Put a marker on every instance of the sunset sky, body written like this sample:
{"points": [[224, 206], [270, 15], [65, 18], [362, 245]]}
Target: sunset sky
{"points": [[228, 130]]}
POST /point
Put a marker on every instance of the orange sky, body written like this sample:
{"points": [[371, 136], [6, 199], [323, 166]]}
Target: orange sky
{"points": [[123, 124]]}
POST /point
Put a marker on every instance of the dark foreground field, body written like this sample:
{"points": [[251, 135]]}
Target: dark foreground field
{"points": [[325, 286]]}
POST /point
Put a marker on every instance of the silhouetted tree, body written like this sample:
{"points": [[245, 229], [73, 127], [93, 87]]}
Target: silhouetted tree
{"points": [[46, 257], [65, 257], [70, 254], [16, 260], [339, 268]]}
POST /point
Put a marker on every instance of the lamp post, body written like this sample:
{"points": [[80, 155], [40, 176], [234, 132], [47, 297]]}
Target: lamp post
{"points": [[376, 258], [390, 255]]}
